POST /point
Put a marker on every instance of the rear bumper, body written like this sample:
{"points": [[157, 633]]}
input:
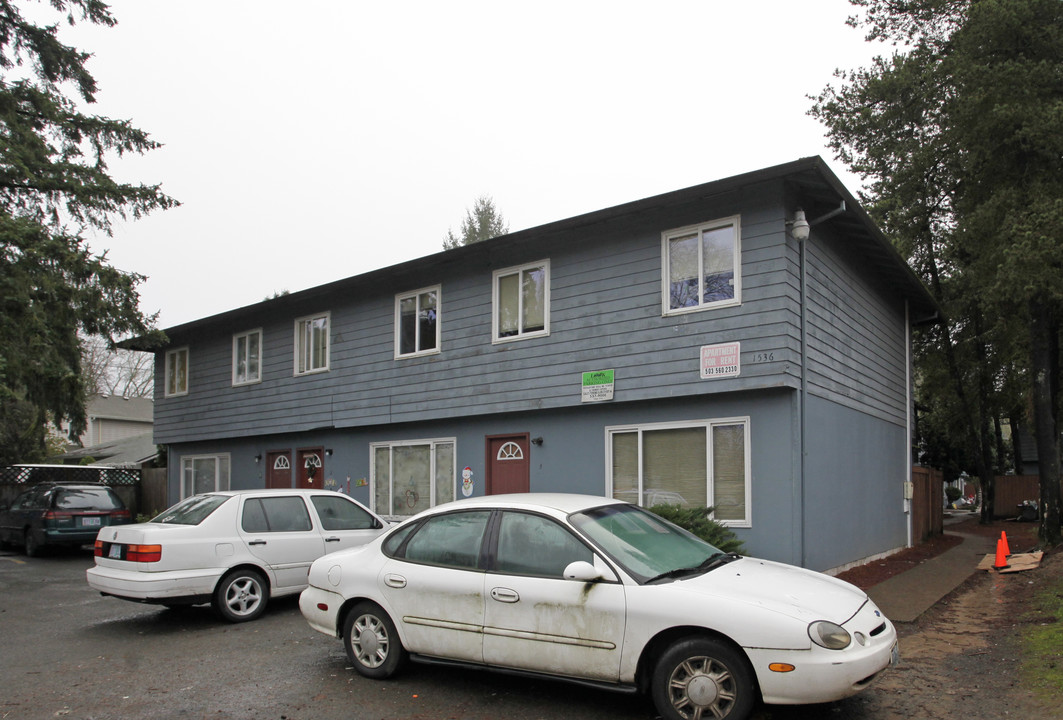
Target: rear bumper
{"points": [[78, 536], [321, 609], [175, 587]]}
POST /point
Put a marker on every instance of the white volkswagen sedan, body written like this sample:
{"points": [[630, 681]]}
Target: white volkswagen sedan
{"points": [[234, 550], [603, 592]]}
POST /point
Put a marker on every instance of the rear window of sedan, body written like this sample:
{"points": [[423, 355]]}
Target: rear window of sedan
{"points": [[191, 511], [87, 499]]}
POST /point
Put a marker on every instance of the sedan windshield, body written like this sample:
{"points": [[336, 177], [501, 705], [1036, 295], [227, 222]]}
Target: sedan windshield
{"points": [[648, 547], [191, 511]]}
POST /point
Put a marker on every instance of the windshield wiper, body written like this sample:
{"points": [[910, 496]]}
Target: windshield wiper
{"points": [[710, 563], [715, 561]]}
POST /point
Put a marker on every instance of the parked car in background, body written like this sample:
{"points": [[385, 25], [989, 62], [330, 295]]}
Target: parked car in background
{"points": [[600, 592], [234, 550], [54, 514]]}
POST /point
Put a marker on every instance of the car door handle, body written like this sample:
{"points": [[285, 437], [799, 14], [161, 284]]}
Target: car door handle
{"points": [[395, 581], [256, 542], [505, 595], [332, 539]]}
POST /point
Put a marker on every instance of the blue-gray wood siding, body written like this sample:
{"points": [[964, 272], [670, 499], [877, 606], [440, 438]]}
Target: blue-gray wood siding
{"points": [[605, 312]]}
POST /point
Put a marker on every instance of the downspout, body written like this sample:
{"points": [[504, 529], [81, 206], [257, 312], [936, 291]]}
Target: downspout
{"points": [[800, 229], [908, 419], [803, 418]]}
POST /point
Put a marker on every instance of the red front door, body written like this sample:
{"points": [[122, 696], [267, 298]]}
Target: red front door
{"points": [[508, 464], [279, 469], [310, 468]]}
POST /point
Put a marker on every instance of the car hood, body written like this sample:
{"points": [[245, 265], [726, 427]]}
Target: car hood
{"points": [[798, 593]]}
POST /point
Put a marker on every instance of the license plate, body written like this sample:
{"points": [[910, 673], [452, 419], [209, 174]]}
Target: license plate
{"points": [[895, 655], [115, 552], [88, 521]]}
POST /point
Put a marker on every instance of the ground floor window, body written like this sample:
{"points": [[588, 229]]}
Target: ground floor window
{"points": [[408, 477], [695, 464], [204, 473]]}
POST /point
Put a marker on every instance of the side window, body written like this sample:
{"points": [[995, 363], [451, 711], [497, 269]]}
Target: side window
{"points": [[275, 514], [534, 545], [254, 519], [338, 513], [452, 540]]}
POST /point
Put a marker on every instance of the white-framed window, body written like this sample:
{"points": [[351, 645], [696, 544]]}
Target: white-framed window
{"points": [[521, 302], [204, 473], [702, 266], [247, 357], [410, 476], [417, 322], [702, 463], [312, 344], [176, 372]]}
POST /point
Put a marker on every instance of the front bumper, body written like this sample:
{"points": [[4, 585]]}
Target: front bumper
{"points": [[822, 675]]}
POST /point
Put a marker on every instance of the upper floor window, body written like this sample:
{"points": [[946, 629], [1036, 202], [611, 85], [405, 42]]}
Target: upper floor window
{"points": [[702, 266], [177, 372], [417, 322], [311, 344], [521, 302], [247, 358]]}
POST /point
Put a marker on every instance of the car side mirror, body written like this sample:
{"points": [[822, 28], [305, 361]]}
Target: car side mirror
{"points": [[582, 571]]}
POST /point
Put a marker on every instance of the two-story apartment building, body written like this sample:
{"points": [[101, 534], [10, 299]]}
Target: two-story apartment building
{"points": [[685, 347]]}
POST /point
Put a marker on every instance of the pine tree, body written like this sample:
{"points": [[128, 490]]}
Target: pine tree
{"points": [[482, 222], [54, 188]]}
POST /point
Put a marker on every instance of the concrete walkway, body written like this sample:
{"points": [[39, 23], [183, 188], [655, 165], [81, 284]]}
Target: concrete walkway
{"points": [[904, 597]]}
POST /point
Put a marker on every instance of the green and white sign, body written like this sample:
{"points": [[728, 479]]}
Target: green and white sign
{"points": [[597, 386]]}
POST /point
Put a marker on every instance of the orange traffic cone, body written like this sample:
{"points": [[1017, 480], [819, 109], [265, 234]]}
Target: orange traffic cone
{"points": [[1002, 556], [1004, 539]]}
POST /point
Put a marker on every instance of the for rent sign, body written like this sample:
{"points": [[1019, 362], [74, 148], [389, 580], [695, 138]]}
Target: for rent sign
{"points": [[720, 361]]}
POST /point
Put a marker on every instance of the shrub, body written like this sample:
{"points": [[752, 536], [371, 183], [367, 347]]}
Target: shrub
{"points": [[952, 494], [698, 521]]}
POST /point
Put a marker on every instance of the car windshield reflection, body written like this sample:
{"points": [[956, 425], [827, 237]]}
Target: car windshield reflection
{"points": [[645, 545]]}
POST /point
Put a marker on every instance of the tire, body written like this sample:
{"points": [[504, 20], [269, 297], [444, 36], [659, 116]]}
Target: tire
{"points": [[372, 643], [241, 596], [31, 546], [702, 678]]}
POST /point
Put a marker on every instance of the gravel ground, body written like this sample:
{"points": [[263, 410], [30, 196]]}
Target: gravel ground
{"points": [[962, 658]]}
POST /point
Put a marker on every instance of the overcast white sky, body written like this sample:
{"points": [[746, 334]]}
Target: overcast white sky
{"points": [[310, 141]]}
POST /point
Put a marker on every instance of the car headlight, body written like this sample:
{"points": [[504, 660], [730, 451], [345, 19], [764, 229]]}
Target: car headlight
{"points": [[829, 635]]}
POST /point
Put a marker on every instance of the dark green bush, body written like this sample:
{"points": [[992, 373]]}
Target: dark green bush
{"points": [[952, 494], [697, 520]]}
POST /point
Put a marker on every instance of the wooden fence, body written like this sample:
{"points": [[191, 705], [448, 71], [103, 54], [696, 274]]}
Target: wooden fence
{"points": [[928, 503], [1010, 490]]}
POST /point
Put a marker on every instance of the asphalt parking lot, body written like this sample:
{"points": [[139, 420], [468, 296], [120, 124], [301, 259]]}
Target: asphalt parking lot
{"points": [[67, 652]]}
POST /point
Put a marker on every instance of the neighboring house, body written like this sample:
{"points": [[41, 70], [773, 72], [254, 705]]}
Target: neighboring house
{"points": [[112, 418], [136, 451], [681, 347]]}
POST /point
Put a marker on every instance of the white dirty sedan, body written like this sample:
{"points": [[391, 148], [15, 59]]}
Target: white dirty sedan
{"points": [[234, 550], [602, 592]]}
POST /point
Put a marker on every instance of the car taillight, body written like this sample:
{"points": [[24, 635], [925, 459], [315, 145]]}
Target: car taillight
{"points": [[143, 553], [97, 549], [121, 515]]}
